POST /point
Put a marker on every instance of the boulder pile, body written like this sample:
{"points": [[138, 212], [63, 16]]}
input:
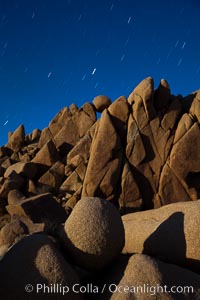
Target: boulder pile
{"points": [[102, 205], [132, 155]]}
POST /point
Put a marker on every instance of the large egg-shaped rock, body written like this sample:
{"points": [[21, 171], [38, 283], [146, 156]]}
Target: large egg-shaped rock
{"points": [[94, 233]]}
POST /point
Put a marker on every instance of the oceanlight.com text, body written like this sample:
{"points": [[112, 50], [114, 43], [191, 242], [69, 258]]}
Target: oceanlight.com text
{"points": [[112, 288]]}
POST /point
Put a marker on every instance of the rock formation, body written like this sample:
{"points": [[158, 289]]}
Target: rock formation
{"points": [[61, 187], [132, 155]]}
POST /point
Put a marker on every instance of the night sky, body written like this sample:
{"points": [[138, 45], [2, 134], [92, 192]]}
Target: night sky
{"points": [[57, 52]]}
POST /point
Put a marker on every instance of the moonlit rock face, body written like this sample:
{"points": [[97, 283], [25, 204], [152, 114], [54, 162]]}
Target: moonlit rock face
{"points": [[150, 232], [94, 233]]}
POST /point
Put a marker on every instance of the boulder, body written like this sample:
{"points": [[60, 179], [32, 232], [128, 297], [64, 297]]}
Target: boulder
{"points": [[119, 112], [84, 118], [67, 137], [170, 189], [178, 180], [36, 262], [130, 199], [72, 183], [13, 231], [17, 228], [80, 152], [73, 199], [183, 126], [54, 176], [47, 155], [172, 114], [73, 108], [6, 162], [59, 121], [40, 208], [135, 150], [14, 181], [186, 150], [27, 170], [169, 233], [146, 278], [81, 170], [16, 139], [34, 136], [45, 137], [143, 94], [104, 167], [94, 233], [101, 102]]}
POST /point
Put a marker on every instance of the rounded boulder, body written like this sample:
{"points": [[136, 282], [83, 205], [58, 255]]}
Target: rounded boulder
{"points": [[101, 102], [34, 268], [94, 233]]}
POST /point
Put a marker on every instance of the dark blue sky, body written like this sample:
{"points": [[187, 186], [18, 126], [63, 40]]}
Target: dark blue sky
{"points": [[57, 52]]}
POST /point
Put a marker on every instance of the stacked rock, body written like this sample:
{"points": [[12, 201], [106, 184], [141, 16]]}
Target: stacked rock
{"points": [[62, 191], [132, 155], [96, 253], [92, 237]]}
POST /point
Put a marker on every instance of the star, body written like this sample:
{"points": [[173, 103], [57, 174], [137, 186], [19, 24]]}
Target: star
{"points": [[94, 71], [5, 123], [129, 20]]}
